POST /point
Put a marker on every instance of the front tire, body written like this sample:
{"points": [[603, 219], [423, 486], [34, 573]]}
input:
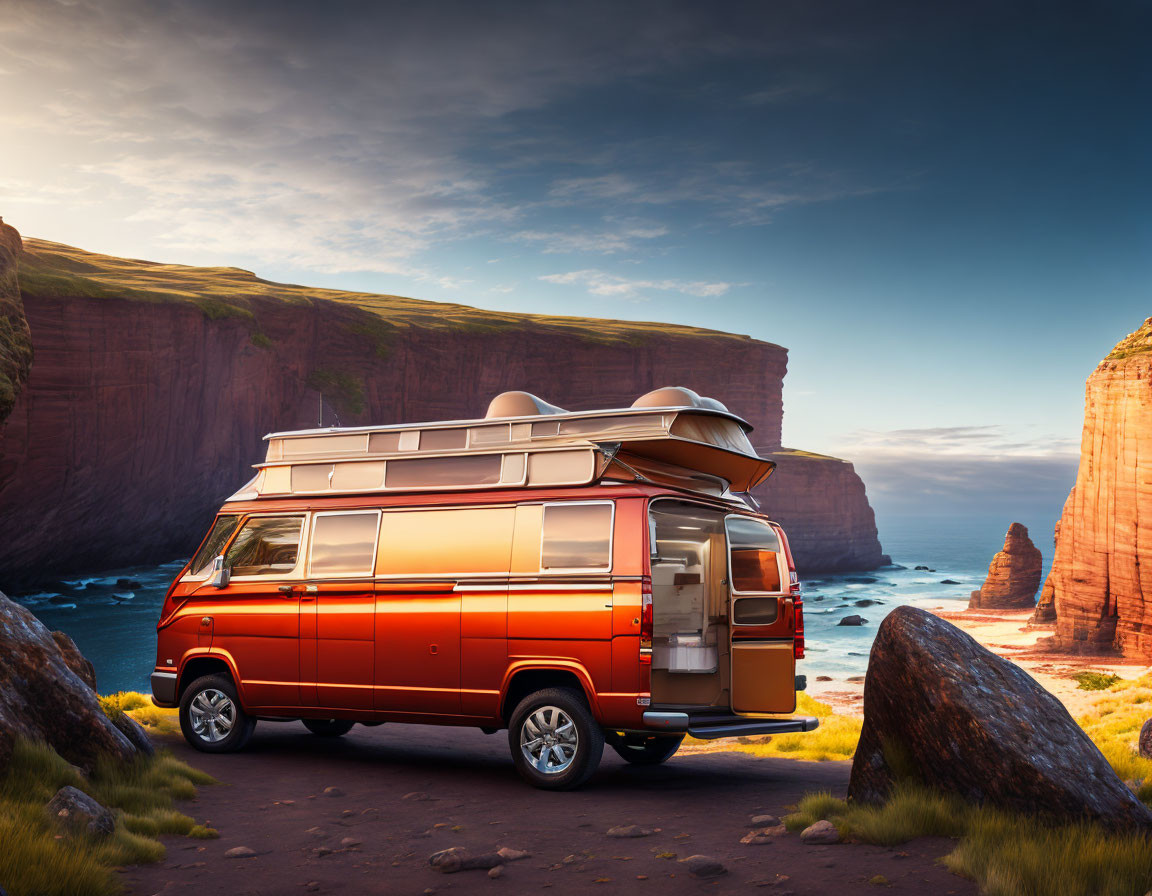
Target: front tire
{"points": [[640, 750], [555, 740], [328, 727], [211, 717]]}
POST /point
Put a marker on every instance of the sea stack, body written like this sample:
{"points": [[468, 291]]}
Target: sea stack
{"points": [[1099, 587], [1013, 574]]}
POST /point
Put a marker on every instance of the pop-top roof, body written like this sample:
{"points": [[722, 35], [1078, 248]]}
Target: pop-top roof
{"points": [[670, 435]]}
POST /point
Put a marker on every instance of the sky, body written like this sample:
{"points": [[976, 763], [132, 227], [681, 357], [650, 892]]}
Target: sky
{"points": [[941, 209]]}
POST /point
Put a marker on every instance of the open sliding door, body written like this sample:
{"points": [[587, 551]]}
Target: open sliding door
{"points": [[761, 619]]}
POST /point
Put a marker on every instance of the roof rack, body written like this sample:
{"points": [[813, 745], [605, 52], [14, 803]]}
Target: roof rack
{"points": [[670, 435]]}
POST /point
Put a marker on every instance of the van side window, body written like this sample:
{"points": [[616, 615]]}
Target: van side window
{"points": [[344, 544], [448, 542], [222, 529], [576, 536], [266, 545]]}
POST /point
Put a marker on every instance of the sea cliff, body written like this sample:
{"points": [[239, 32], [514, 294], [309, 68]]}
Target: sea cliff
{"points": [[154, 384], [1100, 587]]}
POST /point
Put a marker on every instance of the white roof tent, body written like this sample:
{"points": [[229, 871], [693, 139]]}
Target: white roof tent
{"points": [[671, 436]]}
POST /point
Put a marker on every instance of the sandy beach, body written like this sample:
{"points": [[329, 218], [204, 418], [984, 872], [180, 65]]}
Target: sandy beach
{"points": [[1007, 633]]}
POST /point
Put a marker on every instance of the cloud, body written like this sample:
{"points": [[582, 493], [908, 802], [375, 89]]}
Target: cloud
{"points": [[602, 242], [363, 140], [988, 441], [1011, 471], [601, 283]]}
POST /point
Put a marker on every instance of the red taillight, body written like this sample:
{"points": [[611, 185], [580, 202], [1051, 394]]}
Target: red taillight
{"points": [[795, 591], [646, 620]]}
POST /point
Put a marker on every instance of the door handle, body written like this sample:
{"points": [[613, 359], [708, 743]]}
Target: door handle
{"points": [[285, 589], [206, 622]]}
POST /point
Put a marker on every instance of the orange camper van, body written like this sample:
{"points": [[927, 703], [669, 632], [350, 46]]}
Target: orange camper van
{"points": [[577, 578]]}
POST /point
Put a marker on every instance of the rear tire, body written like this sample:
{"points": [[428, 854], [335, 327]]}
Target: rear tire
{"points": [[211, 717], [555, 740], [641, 750], [328, 727]]}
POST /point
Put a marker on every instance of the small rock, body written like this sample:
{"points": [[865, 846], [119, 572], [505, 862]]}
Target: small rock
{"points": [[853, 620], [496, 872], [240, 852], [347, 813], [703, 866], [77, 811], [764, 821], [866, 602], [820, 833], [512, 855], [760, 836], [1145, 742], [949, 582], [333, 791], [128, 583], [569, 860], [350, 843], [322, 850], [418, 795], [629, 830], [824, 678]]}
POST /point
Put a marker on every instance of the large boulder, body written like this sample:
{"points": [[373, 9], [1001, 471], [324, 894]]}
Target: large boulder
{"points": [[1013, 574], [942, 710], [42, 698], [75, 660]]}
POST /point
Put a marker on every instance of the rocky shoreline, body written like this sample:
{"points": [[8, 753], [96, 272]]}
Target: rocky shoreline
{"points": [[1011, 634]]}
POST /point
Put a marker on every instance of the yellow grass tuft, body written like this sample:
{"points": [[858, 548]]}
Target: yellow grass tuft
{"points": [[34, 859], [1006, 854]]}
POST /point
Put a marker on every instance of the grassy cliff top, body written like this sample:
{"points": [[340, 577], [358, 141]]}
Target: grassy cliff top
{"points": [[1137, 343], [54, 270]]}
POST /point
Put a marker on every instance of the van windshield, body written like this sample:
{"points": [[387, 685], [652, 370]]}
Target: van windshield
{"points": [[222, 530]]}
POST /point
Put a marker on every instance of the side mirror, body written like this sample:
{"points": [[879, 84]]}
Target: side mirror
{"points": [[221, 574]]}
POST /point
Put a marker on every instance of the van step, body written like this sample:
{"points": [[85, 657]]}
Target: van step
{"points": [[708, 726]]}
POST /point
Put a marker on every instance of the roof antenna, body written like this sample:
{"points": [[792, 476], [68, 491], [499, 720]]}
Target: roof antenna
{"points": [[320, 415]]}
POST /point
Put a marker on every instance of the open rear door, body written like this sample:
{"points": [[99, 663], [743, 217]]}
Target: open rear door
{"points": [[761, 619]]}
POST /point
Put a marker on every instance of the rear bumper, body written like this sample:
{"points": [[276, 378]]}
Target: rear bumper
{"points": [[164, 689], [707, 726]]}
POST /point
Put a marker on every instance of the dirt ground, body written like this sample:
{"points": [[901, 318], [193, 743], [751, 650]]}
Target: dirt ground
{"points": [[362, 814]]}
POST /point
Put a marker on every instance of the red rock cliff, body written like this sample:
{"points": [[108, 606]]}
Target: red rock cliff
{"points": [[1100, 586], [144, 410], [15, 342]]}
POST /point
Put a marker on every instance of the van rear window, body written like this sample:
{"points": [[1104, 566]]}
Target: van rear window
{"points": [[576, 536]]}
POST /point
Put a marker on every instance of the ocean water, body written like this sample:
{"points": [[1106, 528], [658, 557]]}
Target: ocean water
{"points": [[111, 615]]}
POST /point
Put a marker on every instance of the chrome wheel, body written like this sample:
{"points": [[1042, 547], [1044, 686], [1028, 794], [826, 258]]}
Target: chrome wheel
{"points": [[213, 715], [549, 740]]}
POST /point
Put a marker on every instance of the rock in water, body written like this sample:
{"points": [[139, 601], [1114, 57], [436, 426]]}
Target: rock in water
{"points": [[944, 711], [77, 812], [1013, 574], [42, 698]]}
